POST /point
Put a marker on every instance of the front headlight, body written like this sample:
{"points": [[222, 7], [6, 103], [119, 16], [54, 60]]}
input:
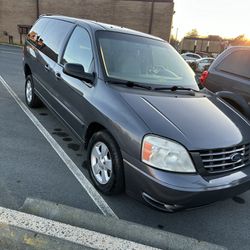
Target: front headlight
{"points": [[166, 155]]}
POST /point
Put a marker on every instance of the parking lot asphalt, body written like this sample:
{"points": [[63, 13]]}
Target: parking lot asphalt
{"points": [[30, 167]]}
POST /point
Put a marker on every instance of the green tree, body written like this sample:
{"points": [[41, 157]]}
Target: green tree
{"points": [[192, 33], [240, 40]]}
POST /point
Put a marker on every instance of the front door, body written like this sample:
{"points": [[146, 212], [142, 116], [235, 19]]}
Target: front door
{"points": [[73, 93]]}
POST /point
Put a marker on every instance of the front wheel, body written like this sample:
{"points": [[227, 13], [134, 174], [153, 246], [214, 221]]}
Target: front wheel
{"points": [[105, 163], [31, 98]]}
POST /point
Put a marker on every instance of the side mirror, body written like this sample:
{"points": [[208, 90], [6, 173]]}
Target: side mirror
{"points": [[77, 71]]}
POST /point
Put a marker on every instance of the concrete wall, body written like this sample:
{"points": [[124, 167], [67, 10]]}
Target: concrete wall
{"points": [[133, 14]]}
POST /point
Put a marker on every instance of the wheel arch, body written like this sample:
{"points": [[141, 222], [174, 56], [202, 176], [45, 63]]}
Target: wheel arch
{"points": [[27, 70], [235, 100], [93, 128]]}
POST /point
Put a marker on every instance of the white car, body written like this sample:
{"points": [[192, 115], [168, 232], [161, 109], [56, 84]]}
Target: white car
{"points": [[191, 57], [203, 63]]}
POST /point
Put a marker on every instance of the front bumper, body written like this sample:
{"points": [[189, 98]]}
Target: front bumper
{"points": [[173, 191]]}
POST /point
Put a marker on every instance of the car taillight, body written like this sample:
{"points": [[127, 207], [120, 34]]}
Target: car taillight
{"points": [[204, 77]]}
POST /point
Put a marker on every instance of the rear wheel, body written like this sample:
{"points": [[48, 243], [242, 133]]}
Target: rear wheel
{"points": [[31, 98], [105, 163]]}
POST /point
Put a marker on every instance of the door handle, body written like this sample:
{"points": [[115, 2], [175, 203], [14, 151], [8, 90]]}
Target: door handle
{"points": [[47, 67], [58, 76]]}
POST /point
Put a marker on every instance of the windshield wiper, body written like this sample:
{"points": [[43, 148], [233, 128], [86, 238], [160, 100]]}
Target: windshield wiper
{"points": [[175, 88], [130, 84]]}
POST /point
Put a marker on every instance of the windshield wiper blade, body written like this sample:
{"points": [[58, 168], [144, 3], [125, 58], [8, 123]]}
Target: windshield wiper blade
{"points": [[130, 84], [175, 88]]}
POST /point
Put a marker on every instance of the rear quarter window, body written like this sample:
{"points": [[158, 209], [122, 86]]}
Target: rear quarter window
{"points": [[237, 63]]}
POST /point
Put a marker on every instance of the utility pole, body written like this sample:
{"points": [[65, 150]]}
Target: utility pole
{"points": [[151, 17], [176, 35], [37, 9]]}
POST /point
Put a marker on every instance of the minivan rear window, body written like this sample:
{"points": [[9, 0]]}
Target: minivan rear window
{"points": [[237, 63]]}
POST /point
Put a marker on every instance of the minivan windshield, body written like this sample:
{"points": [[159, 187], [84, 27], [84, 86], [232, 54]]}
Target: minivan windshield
{"points": [[143, 60]]}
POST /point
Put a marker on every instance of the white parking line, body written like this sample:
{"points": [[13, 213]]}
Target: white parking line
{"points": [[95, 196], [8, 52]]}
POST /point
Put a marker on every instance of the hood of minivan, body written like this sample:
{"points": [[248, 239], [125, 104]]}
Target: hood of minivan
{"points": [[197, 122]]}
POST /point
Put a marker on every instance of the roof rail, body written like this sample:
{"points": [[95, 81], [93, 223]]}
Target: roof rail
{"points": [[46, 14]]}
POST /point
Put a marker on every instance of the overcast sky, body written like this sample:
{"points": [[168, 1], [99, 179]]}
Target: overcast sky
{"points": [[227, 18]]}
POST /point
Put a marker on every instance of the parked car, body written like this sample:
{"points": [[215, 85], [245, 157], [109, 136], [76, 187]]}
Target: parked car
{"points": [[134, 103], [191, 57], [192, 65], [230, 72], [203, 64]]}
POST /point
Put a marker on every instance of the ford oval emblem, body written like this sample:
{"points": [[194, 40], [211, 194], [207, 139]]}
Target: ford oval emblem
{"points": [[236, 157]]}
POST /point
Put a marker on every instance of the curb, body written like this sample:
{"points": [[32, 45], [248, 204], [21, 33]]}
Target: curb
{"points": [[113, 227], [12, 237], [25, 231]]}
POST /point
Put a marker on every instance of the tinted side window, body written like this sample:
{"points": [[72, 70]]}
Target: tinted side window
{"points": [[193, 56], [79, 50], [53, 37], [237, 63], [36, 31]]}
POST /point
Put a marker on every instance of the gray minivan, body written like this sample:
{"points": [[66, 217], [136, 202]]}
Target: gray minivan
{"points": [[134, 103]]}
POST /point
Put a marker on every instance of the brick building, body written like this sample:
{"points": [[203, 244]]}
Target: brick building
{"points": [[150, 16], [211, 45]]}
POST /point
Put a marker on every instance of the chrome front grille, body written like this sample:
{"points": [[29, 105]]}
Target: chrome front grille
{"points": [[223, 160]]}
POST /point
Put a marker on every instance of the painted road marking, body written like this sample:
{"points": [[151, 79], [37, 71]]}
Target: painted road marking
{"points": [[8, 52], [95, 196], [67, 232]]}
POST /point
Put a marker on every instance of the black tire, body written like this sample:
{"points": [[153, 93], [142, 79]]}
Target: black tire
{"points": [[115, 185], [32, 101]]}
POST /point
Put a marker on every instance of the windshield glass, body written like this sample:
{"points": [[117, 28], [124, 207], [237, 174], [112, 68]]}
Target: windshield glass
{"points": [[139, 59]]}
